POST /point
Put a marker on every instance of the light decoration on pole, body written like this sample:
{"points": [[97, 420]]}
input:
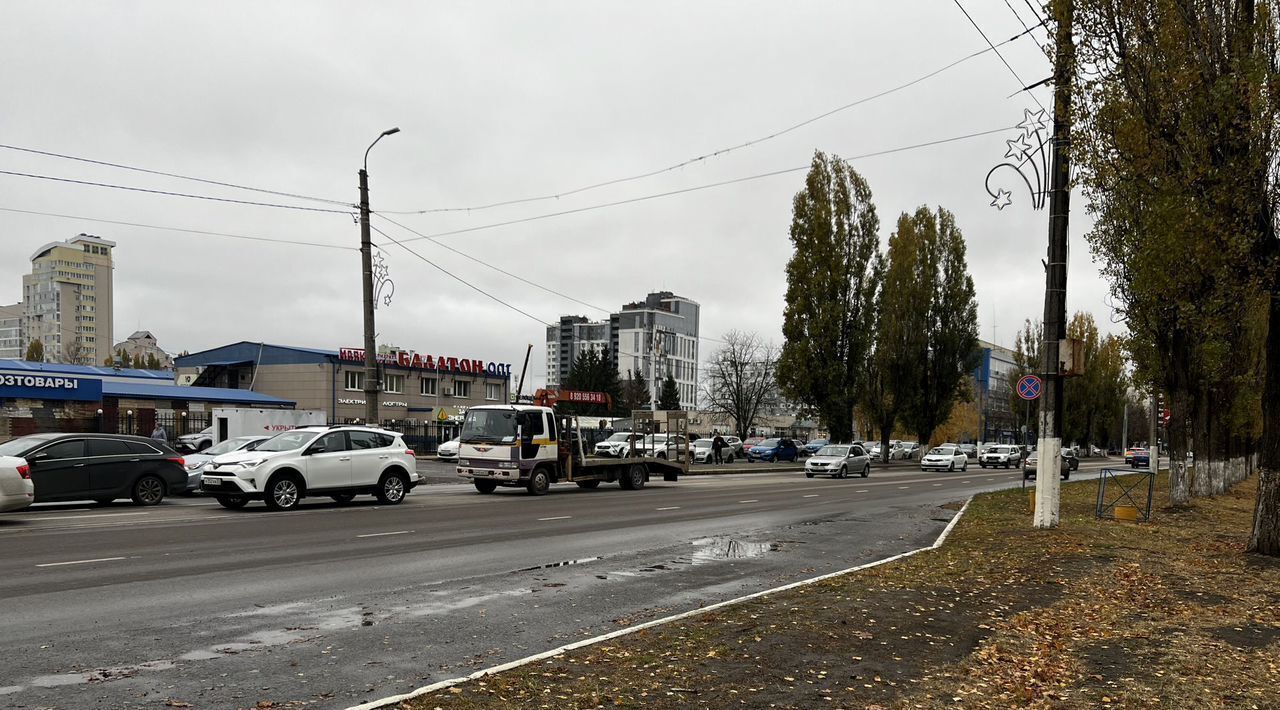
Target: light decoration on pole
{"points": [[382, 280], [1028, 156]]}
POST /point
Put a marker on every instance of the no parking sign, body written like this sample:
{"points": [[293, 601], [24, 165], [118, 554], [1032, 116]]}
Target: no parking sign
{"points": [[1029, 387]]}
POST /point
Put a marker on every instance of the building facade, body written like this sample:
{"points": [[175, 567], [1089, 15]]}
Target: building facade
{"points": [[416, 388], [141, 344], [999, 423], [67, 301], [655, 337], [11, 332]]}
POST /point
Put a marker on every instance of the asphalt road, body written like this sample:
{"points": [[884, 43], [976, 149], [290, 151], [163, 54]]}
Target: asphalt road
{"points": [[329, 605]]}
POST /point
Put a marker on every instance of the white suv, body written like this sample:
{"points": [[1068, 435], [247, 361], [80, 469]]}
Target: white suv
{"points": [[340, 462]]}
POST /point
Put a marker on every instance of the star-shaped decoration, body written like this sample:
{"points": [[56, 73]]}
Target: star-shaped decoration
{"points": [[380, 269], [1019, 148], [1004, 198], [1032, 122]]}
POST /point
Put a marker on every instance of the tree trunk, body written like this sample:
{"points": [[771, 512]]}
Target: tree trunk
{"points": [[1179, 477], [1265, 539], [885, 431]]}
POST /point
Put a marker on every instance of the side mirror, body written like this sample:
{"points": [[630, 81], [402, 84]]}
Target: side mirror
{"points": [[317, 449]]}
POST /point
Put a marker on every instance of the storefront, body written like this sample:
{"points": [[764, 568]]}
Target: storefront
{"points": [[38, 397], [416, 387]]}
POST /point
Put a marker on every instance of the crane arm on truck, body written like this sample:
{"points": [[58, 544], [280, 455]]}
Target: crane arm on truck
{"points": [[550, 398]]}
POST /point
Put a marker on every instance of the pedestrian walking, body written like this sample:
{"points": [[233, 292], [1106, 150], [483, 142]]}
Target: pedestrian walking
{"points": [[159, 434], [717, 444]]}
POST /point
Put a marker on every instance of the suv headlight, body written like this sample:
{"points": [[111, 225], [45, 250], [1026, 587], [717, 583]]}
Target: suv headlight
{"points": [[252, 463]]}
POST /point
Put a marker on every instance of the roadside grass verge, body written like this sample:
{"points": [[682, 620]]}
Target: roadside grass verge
{"points": [[1094, 613]]}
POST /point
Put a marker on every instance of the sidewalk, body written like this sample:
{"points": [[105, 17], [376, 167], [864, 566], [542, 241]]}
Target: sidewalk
{"points": [[1093, 614]]}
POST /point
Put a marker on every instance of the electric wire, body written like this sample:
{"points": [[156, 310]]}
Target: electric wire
{"points": [[1015, 14], [167, 193], [1037, 13], [695, 188], [723, 151], [450, 274], [63, 156], [179, 229], [1021, 83]]}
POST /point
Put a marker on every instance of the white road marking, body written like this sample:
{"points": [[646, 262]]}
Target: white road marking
{"points": [[862, 491], [903, 488], [80, 562], [558, 517], [991, 479], [968, 481], [753, 500], [670, 507], [82, 517], [398, 532], [811, 495], [936, 485]]}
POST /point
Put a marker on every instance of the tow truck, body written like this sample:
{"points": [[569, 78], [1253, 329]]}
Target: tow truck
{"points": [[533, 446]]}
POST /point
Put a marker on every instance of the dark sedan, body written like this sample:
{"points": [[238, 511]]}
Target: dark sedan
{"points": [[100, 467]]}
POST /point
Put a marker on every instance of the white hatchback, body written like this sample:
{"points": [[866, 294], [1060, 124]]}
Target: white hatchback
{"points": [[944, 458], [16, 488], [340, 462]]}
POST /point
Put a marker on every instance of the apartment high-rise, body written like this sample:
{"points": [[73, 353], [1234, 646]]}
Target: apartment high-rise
{"points": [[11, 332], [67, 301], [654, 337]]}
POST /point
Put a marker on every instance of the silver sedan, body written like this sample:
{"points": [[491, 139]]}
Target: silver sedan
{"points": [[838, 461]]}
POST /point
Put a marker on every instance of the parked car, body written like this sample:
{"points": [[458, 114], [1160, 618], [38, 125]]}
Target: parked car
{"points": [[99, 467], [448, 451], [750, 442], [970, 451], [618, 444], [195, 463], [662, 446], [1096, 451], [16, 489], [773, 450], [199, 441], [1128, 456], [906, 451], [944, 458], [812, 447], [736, 444], [838, 460], [1068, 464], [339, 461], [704, 452], [1001, 455], [874, 449]]}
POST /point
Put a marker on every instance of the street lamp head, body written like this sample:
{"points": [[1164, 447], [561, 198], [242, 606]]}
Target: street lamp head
{"points": [[390, 131]]}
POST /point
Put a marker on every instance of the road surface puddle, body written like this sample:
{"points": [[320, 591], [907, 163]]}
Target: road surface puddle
{"points": [[717, 550]]}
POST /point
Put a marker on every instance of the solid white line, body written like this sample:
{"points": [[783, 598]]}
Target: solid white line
{"points": [[398, 532], [80, 562], [753, 500], [441, 685], [670, 507], [811, 495], [558, 517], [83, 517]]}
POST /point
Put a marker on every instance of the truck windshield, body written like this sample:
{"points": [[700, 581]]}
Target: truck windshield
{"points": [[491, 425]]}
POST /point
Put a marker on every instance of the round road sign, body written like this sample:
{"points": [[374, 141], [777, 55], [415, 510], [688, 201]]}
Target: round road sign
{"points": [[1029, 387]]}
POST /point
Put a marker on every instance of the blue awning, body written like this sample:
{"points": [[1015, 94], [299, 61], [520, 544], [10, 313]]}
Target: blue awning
{"points": [[145, 390]]}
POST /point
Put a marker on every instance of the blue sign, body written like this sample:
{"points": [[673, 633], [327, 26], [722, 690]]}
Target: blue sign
{"points": [[1029, 387], [39, 386]]}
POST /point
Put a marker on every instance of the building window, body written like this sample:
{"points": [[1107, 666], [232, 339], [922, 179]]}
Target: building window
{"points": [[461, 389], [355, 380], [428, 386], [492, 392], [393, 384]]}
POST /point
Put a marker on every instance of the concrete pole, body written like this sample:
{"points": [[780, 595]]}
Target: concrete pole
{"points": [[1048, 483], [366, 273]]}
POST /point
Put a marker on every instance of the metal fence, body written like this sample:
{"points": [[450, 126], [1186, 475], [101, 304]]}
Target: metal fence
{"points": [[424, 437], [143, 423]]}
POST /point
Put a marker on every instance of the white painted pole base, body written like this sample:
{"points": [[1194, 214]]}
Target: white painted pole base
{"points": [[1048, 479]]}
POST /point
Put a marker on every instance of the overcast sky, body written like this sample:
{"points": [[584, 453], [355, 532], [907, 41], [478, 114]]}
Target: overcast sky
{"points": [[501, 101]]}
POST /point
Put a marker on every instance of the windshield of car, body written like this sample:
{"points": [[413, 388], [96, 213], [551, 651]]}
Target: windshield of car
{"points": [[840, 451], [288, 441], [18, 447], [943, 451], [703, 443], [768, 443], [227, 446], [493, 425]]}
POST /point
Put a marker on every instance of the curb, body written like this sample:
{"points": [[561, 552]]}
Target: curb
{"points": [[441, 685]]}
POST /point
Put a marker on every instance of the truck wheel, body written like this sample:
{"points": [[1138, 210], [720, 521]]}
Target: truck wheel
{"points": [[486, 486], [589, 485], [539, 482], [633, 478]]}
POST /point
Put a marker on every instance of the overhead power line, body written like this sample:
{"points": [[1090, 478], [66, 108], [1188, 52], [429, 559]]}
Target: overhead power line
{"points": [[460, 280], [1021, 83], [1036, 13], [210, 198], [695, 188], [206, 181], [723, 151], [227, 235]]}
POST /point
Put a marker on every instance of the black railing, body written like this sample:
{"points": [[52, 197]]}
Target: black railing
{"points": [[424, 437]]}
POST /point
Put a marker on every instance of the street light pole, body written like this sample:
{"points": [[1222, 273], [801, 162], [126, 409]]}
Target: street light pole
{"points": [[371, 387]]}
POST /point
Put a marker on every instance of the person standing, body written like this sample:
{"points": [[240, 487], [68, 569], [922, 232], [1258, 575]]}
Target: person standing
{"points": [[717, 444], [159, 434]]}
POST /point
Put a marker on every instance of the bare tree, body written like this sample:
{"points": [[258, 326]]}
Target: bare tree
{"points": [[740, 381]]}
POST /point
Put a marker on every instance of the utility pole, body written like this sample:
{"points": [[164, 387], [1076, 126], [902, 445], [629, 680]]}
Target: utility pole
{"points": [[1048, 484], [371, 384]]}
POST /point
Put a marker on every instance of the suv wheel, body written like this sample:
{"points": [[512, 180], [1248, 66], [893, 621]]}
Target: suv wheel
{"points": [[233, 502], [392, 488], [343, 498], [148, 490], [282, 493]]}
